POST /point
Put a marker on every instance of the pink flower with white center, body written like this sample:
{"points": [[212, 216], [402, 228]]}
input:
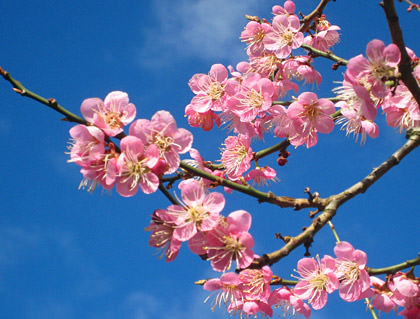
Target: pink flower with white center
{"points": [[109, 115], [284, 37], [254, 97], [103, 171], [88, 145], [357, 97], [355, 123], [310, 115], [135, 167], [289, 7], [289, 303], [237, 155], [301, 69], [325, 37], [230, 240], [381, 64], [261, 175], [318, 280], [400, 107], [253, 36], [162, 132], [351, 271], [404, 284], [227, 288], [209, 89], [204, 120], [255, 283], [162, 227], [200, 211], [382, 298]]}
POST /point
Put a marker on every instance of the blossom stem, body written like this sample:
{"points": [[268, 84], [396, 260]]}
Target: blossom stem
{"points": [[405, 66], [337, 239], [328, 55], [394, 268], [165, 192], [52, 103], [282, 201]]}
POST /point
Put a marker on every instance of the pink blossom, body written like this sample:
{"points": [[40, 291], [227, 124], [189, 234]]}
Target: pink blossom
{"points": [[209, 89], [309, 116], [355, 123], [200, 211], [162, 227], [230, 240], [300, 68], [253, 98], [109, 115], [382, 298], [260, 175], [381, 64], [325, 37], [255, 283], [401, 283], [135, 167], [318, 280], [288, 302], [88, 145], [103, 171], [350, 270], [227, 287], [357, 97], [204, 120], [237, 155], [289, 7], [253, 36], [284, 37], [162, 132]]}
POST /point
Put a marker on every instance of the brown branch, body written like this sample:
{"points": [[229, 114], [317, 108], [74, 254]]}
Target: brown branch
{"points": [[282, 201], [335, 201], [405, 66], [307, 20]]}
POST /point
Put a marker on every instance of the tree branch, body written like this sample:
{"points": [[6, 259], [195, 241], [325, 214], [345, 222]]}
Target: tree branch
{"points": [[52, 103], [335, 201], [394, 268], [328, 55], [405, 66], [307, 20]]}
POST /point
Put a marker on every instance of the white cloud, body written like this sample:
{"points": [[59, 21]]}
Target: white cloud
{"points": [[201, 29]]}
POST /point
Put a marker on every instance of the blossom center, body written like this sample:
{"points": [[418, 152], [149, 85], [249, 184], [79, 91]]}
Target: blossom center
{"points": [[215, 91]]}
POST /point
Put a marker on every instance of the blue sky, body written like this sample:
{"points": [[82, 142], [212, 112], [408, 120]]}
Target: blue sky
{"points": [[67, 254]]}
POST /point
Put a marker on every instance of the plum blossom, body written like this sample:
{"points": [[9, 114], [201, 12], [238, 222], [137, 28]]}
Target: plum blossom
{"points": [[204, 120], [228, 289], [288, 302], [237, 155], [200, 211], [325, 37], [284, 37], [230, 241], [254, 97], [162, 227], [310, 115], [253, 36], [135, 167], [163, 132], [111, 114], [350, 270], [261, 175], [209, 89], [88, 144], [318, 280], [381, 64]]}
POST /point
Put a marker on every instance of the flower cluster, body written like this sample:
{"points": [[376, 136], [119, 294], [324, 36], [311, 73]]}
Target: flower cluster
{"points": [[249, 291], [219, 239], [150, 150], [248, 100]]}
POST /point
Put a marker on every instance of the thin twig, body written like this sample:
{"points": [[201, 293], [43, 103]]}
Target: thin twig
{"points": [[405, 66], [52, 103]]}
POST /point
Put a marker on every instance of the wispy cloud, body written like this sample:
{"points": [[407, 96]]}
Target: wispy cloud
{"points": [[201, 29]]}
